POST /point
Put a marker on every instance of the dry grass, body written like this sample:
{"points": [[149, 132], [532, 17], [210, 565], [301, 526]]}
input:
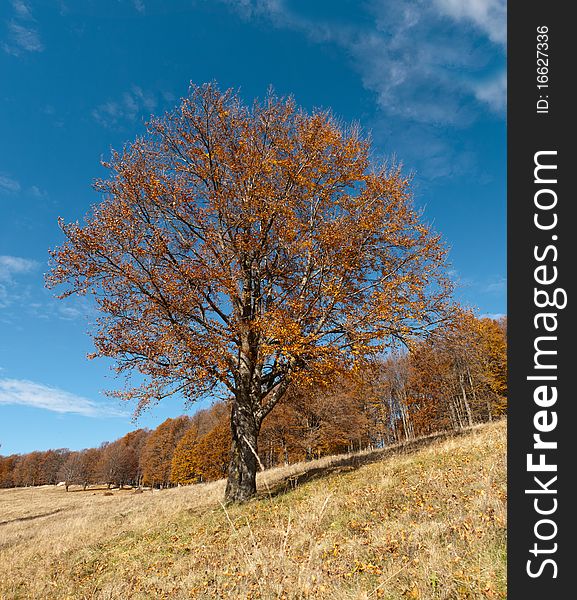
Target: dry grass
{"points": [[424, 524]]}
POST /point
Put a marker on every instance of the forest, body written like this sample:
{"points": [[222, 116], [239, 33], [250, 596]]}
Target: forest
{"points": [[453, 379]]}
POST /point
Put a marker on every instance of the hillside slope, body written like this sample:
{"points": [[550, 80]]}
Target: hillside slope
{"points": [[421, 521]]}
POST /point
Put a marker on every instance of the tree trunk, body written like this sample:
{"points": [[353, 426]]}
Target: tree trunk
{"points": [[241, 484], [489, 413], [457, 412], [466, 405]]}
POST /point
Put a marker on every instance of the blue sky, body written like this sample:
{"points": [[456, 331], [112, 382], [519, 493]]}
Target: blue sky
{"points": [[79, 77]]}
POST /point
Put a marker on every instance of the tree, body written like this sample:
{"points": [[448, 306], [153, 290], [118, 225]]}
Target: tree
{"points": [[203, 457], [494, 357], [327, 420], [28, 469], [278, 436], [431, 404], [458, 376], [157, 453], [90, 466], [7, 465], [134, 443], [239, 250], [51, 463], [118, 464], [184, 459], [71, 470]]}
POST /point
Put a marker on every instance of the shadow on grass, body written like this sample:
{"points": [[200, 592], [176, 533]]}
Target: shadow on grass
{"points": [[31, 517], [93, 490], [352, 462]]}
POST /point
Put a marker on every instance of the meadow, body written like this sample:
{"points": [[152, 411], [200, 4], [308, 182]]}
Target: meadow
{"points": [[425, 520]]}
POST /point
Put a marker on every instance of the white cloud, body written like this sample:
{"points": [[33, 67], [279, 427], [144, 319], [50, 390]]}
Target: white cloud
{"points": [[20, 296], [22, 9], [253, 8], [39, 193], [9, 185], [23, 35], [10, 267], [420, 65], [416, 57], [489, 16], [70, 309], [496, 286], [15, 265], [139, 6], [28, 393], [493, 92], [133, 104]]}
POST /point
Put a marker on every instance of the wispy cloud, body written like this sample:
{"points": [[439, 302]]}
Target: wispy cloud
{"points": [[21, 9], [496, 286], [8, 185], [38, 193], [139, 6], [134, 103], [47, 307], [28, 393], [433, 67], [424, 82], [489, 16], [22, 293], [12, 267], [23, 35], [493, 92], [15, 265], [24, 38]]}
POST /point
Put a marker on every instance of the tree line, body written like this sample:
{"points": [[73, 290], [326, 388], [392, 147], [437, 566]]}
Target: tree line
{"points": [[453, 379]]}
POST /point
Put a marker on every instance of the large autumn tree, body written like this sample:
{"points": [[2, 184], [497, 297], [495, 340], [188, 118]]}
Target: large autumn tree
{"points": [[244, 249]]}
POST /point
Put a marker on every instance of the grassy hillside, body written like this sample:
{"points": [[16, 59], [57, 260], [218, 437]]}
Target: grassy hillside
{"points": [[420, 521]]}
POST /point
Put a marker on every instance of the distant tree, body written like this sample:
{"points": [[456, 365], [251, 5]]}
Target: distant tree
{"points": [[241, 250], [134, 442], [382, 384], [431, 403], [328, 420], [52, 461], [201, 423], [156, 457], [7, 465], [316, 421], [458, 376], [181, 469], [210, 456], [90, 464], [118, 464], [71, 470], [207, 459], [28, 470], [493, 355], [278, 437]]}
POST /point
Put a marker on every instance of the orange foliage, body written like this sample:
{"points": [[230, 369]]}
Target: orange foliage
{"points": [[459, 371], [156, 456], [243, 250], [206, 458], [459, 376], [201, 450]]}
